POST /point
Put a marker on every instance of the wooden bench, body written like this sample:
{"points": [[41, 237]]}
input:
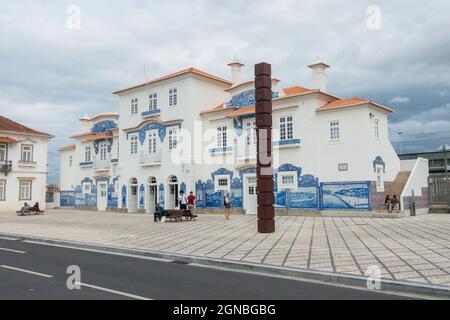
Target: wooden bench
{"points": [[178, 215]]}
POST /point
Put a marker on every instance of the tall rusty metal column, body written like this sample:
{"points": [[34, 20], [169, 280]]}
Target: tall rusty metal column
{"points": [[264, 167]]}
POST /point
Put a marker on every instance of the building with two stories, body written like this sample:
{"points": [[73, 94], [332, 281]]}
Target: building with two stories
{"points": [[23, 165], [194, 131]]}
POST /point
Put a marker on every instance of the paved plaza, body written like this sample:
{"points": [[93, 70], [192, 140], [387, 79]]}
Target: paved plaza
{"points": [[415, 249]]}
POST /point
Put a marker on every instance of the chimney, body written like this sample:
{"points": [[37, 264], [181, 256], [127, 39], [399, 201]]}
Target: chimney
{"points": [[236, 67], [320, 80], [85, 123]]}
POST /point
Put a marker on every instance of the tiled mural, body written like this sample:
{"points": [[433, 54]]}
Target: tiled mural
{"points": [[345, 195]]}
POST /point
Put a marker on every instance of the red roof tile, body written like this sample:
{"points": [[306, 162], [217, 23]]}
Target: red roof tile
{"points": [[12, 126], [344, 103], [69, 147], [8, 140], [296, 90]]}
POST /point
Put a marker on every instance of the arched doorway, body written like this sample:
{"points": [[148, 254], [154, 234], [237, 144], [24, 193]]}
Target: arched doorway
{"points": [[133, 197], [172, 199], [152, 195]]}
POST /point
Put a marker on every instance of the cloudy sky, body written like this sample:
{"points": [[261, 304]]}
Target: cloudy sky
{"points": [[397, 54]]}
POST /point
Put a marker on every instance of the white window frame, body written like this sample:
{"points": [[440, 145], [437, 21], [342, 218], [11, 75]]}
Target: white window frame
{"points": [[87, 187], [218, 183], [134, 145], [222, 137], [87, 153], [25, 190], [335, 133], [26, 151], [103, 151], [286, 128], [2, 190], [173, 97], [250, 133], [134, 106], [3, 152], [153, 101], [152, 142], [284, 186], [173, 138], [376, 127]]}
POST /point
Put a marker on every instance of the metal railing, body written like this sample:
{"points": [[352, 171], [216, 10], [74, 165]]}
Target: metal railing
{"points": [[150, 158], [439, 188], [5, 166], [102, 164], [247, 152]]}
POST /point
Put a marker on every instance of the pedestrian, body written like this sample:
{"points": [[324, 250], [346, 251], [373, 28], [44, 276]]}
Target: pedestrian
{"points": [[395, 204], [183, 201], [158, 213], [227, 204], [388, 203], [191, 201]]}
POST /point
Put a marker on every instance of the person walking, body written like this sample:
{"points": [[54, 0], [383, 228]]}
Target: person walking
{"points": [[191, 201], [227, 204], [183, 201]]}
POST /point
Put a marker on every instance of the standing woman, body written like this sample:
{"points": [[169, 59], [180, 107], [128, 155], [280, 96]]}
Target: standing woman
{"points": [[227, 204]]}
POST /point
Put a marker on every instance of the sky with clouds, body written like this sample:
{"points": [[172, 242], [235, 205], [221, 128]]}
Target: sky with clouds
{"points": [[50, 75]]}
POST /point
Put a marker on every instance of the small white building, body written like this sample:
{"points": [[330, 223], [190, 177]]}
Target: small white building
{"points": [[194, 131], [23, 165]]}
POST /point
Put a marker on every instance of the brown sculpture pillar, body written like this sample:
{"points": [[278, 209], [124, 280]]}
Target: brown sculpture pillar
{"points": [[266, 197]]}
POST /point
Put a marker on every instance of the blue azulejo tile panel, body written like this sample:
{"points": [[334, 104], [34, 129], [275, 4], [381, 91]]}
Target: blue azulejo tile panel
{"points": [[304, 198], [124, 196], [214, 200], [161, 195], [280, 199], [151, 112], [287, 142], [220, 150], [142, 197], [103, 126], [67, 198], [346, 196]]}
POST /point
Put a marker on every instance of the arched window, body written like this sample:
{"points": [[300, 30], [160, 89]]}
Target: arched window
{"points": [[173, 179]]}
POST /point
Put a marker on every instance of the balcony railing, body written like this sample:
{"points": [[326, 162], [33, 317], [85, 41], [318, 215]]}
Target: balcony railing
{"points": [[5, 166], [150, 159], [102, 165], [247, 152]]}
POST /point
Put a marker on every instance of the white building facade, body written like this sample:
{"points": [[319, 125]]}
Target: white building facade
{"points": [[23, 166], [193, 131]]}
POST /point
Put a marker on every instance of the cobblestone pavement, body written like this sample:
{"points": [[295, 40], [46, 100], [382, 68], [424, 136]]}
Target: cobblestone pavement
{"points": [[411, 249]]}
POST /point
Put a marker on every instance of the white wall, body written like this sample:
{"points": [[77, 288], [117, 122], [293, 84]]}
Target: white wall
{"points": [[417, 180], [37, 173]]}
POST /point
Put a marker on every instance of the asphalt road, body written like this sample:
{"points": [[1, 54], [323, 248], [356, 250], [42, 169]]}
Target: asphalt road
{"points": [[35, 271]]}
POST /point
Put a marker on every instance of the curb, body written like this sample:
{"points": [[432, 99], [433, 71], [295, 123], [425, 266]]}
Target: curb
{"points": [[391, 286]]}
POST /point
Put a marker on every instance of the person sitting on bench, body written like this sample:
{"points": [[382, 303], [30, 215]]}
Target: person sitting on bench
{"points": [[36, 209], [25, 209]]}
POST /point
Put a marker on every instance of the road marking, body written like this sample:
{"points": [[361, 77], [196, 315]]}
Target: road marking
{"points": [[128, 295], [27, 271], [129, 255], [9, 239], [11, 250]]}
